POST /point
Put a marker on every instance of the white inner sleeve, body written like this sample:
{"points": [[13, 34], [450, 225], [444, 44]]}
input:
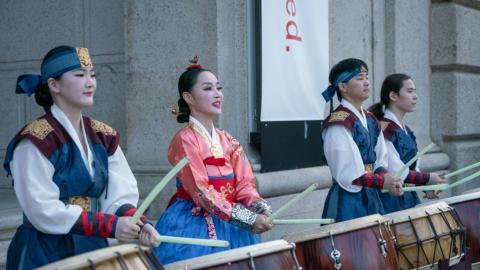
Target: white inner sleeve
{"points": [[343, 157], [37, 194], [381, 153], [394, 161], [122, 185]]}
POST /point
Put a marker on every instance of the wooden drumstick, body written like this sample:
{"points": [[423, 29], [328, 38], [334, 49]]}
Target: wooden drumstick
{"points": [[303, 221], [153, 194], [291, 202], [193, 241]]}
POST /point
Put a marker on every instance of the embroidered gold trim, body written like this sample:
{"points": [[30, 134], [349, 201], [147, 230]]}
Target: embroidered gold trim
{"points": [[338, 116], [214, 145], [82, 201], [225, 189], [384, 125], [98, 126], [84, 57], [39, 128]]}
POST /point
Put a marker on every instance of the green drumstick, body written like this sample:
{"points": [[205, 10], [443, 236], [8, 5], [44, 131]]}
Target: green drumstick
{"points": [[469, 167], [464, 180], [411, 161], [302, 221], [426, 187], [193, 241], [291, 202], [148, 200]]}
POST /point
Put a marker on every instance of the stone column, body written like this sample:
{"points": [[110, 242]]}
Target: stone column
{"points": [[160, 39], [455, 64], [407, 51]]}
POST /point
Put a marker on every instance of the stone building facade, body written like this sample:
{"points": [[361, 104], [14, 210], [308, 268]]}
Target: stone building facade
{"points": [[140, 47]]}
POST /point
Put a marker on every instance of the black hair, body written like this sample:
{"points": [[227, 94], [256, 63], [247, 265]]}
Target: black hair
{"points": [[42, 95], [392, 83], [348, 64], [185, 84]]}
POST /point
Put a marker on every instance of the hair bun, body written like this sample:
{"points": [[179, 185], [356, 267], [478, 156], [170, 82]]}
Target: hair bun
{"points": [[194, 63]]}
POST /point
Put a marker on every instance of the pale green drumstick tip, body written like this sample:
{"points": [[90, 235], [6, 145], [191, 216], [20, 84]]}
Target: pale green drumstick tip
{"points": [[163, 182], [193, 241]]}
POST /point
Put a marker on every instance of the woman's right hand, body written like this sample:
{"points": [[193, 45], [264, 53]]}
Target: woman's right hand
{"points": [[393, 183], [436, 179], [126, 231], [261, 225]]}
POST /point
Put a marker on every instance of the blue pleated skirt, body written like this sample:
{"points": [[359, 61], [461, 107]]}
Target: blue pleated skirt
{"points": [[397, 203], [31, 248], [178, 220], [343, 205]]}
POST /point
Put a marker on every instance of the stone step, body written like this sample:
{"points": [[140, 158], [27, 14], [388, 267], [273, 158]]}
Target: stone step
{"points": [[3, 253], [10, 219]]}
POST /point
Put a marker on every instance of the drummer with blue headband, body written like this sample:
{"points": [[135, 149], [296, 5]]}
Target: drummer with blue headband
{"points": [[70, 175], [354, 147]]}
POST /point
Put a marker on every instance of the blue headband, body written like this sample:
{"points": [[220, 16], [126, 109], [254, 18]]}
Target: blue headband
{"points": [[343, 77], [54, 67]]}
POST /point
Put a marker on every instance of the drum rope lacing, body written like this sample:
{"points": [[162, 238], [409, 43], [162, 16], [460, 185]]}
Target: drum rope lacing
{"points": [[437, 237], [381, 240], [149, 260], [335, 254], [252, 263], [91, 264], [292, 251], [121, 261], [461, 229]]}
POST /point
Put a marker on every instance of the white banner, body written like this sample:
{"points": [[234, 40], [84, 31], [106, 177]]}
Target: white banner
{"points": [[294, 59]]}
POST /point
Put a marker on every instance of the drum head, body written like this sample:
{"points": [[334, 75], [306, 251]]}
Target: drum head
{"points": [[418, 212]]}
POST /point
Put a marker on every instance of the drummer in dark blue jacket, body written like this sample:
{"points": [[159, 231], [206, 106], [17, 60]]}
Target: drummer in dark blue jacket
{"points": [[354, 147], [399, 96]]}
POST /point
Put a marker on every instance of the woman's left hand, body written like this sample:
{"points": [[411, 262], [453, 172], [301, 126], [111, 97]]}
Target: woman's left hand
{"points": [[432, 194], [266, 213], [148, 236]]}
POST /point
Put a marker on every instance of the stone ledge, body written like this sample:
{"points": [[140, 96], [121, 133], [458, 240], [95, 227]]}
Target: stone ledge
{"points": [[10, 219], [3, 253], [292, 181]]}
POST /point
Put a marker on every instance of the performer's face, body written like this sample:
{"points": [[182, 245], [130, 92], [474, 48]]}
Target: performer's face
{"points": [[406, 98], [358, 88], [206, 97], [75, 88]]}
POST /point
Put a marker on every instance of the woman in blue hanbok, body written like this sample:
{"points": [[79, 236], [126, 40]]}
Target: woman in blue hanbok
{"points": [[70, 175]]}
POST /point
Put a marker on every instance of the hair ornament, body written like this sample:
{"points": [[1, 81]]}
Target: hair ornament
{"points": [[194, 63], [174, 111]]}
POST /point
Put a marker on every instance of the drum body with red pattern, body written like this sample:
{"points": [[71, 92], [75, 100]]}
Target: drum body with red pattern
{"points": [[268, 255], [468, 209], [361, 243]]}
